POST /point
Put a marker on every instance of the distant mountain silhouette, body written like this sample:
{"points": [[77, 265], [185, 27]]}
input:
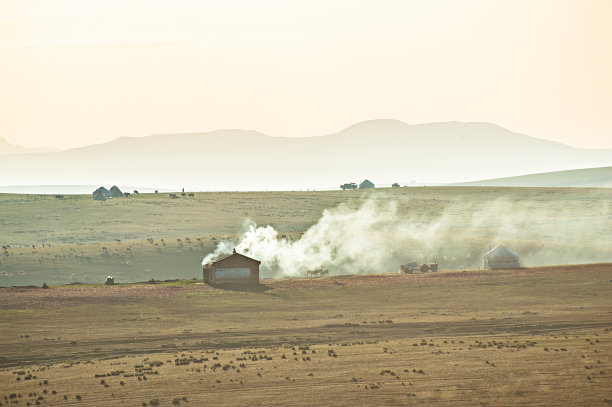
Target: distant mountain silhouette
{"points": [[382, 151], [584, 178], [8, 148]]}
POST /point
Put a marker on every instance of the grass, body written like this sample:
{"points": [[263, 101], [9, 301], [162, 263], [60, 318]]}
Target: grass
{"points": [[78, 219], [135, 239], [452, 338]]}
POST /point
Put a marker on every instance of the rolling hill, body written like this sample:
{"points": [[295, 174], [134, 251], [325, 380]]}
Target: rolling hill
{"points": [[383, 151], [583, 178]]}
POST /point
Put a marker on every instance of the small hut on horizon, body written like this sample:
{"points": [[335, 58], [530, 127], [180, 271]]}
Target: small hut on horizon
{"points": [[101, 194], [366, 184], [500, 258], [115, 192]]}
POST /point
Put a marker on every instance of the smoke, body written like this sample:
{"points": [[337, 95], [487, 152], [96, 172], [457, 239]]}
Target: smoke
{"points": [[379, 235]]}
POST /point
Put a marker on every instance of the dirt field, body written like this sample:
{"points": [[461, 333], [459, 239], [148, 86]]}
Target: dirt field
{"points": [[540, 336]]}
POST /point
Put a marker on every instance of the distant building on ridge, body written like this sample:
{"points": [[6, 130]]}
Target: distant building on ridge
{"points": [[366, 184], [101, 194], [115, 192]]}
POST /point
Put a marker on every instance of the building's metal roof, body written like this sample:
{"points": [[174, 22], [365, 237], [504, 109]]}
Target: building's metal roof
{"points": [[233, 255]]}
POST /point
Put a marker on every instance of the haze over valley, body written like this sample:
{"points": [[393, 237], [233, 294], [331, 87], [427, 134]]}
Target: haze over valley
{"points": [[384, 151]]}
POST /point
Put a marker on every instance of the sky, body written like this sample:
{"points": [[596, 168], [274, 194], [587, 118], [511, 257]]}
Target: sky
{"points": [[80, 72]]}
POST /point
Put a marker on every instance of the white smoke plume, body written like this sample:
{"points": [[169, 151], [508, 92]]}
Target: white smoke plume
{"points": [[380, 235]]}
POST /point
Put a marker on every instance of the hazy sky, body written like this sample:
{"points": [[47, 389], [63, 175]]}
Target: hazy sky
{"points": [[81, 72]]}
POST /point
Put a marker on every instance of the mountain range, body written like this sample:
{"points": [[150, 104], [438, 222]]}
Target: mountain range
{"points": [[383, 151], [8, 148]]}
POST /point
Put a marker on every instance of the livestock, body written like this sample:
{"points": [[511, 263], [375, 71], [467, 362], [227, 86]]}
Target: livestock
{"points": [[136, 192], [316, 273], [191, 195]]}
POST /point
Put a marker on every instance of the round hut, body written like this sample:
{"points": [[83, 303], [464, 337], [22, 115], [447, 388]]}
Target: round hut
{"points": [[99, 194], [366, 184], [115, 192], [500, 258]]}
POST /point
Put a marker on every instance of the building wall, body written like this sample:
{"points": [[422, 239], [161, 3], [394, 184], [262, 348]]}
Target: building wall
{"points": [[236, 263], [501, 263]]}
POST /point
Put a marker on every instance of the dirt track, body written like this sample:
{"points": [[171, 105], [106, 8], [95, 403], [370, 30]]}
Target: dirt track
{"points": [[538, 336]]}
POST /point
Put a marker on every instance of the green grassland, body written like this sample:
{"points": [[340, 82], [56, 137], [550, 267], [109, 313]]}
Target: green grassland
{"points": [[135, 238], [540, 336], [76, 219]]}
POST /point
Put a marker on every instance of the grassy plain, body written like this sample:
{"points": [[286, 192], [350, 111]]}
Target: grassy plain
{"points": [[540, 336], [77, 219], [135, 239]]}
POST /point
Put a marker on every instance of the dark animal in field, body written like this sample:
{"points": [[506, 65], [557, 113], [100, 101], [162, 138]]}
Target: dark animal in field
{"points": [[156, 191], [191, 195], [126, 194], [183, 194], [136, 192], [173, 196], [59, 196]]}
